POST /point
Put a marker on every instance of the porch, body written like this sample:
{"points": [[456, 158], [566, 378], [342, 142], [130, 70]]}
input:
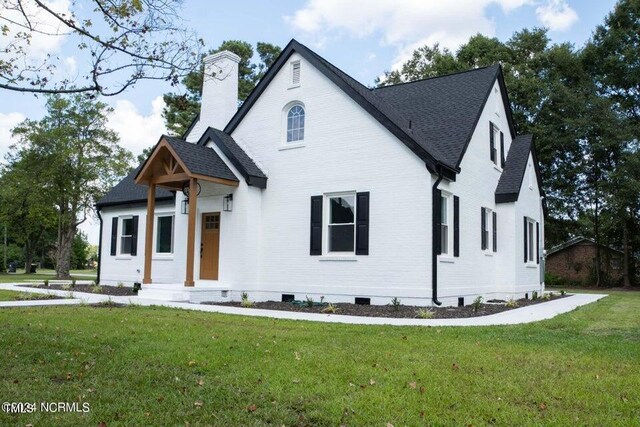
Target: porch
{"points": [[200, 175]]}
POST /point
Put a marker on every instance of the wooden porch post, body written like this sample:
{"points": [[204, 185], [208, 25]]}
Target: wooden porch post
{"points": [[148, 238], [191, 230]]}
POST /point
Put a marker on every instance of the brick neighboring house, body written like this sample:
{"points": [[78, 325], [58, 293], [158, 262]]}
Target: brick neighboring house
{"points": [[575, 260]]}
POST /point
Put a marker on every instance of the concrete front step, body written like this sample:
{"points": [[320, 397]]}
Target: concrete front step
{"points": [[181, 293]]}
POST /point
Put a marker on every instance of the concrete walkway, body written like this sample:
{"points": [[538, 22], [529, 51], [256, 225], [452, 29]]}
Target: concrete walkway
{"points": [[533, 313]]}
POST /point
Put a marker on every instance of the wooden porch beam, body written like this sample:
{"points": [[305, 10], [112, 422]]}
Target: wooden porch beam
{"points": [[191, 230], [148, 238], [164, 179]]}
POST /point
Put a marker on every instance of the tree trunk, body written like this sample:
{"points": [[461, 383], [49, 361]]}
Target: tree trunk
{"points": [[625, 260], [63, 253], [596, 225], [28, 258]]}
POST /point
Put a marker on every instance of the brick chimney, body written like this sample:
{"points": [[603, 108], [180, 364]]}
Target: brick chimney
{"points": [[219, 89]]}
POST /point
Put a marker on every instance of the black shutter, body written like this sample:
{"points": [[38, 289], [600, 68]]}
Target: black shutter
{"points": [[437, 209], [456, 226], [362, 223], [483, 227], [316, 226], [492, 144], [537, 243], [114, 235], [525, 239], [502, 150], [134, 236], [495, 232]]}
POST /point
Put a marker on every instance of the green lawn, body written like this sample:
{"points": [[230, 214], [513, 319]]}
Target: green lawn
{"points": [[22, 277], [158, 366]]}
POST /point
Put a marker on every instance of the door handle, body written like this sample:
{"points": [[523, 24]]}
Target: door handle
{"points": [[201, 249]]}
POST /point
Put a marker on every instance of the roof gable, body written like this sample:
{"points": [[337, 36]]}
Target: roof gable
{"points": [[508, 189]]}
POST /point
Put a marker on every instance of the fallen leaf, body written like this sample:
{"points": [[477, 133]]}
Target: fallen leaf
{"points": [[389, 425], [413, 385], [421, 414], [192, 362], [200, 382], [455, 366], [371, 381], [295, 381], [542, 406], [252, 408], [160, 398], [422, 389], [69, 376], [198, 404], [297, 355], [352, 385], [100, 424]]}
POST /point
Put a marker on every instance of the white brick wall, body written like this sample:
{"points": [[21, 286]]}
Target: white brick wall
{"points": [[264, 242]]}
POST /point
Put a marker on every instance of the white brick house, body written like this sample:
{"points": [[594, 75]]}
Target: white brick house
{"points": [[318, 186]]}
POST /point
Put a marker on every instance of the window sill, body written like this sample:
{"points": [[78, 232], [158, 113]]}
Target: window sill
{"points": [[162, 257], [446, 260], [532, 265], [123, 258], [294, 86], [499, 169], [291, 146], [488, 254], [339, 258]]}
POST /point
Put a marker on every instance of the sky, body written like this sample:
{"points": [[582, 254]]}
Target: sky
{"points": [[362, 37]]}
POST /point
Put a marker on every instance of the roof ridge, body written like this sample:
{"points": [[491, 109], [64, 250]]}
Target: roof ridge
{"points": [[437, 77]]}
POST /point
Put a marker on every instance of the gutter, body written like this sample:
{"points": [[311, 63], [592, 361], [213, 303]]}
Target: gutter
{"points": [[99, 249], [435, 233]]}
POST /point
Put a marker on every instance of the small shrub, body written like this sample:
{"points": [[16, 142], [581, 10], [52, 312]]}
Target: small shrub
{"points": [[245, 301], [66, 287], [563, 292], [424, 313], [73, 283], [554, 281], [309, 302], [330, 308], [547, 296], [477, 303], [120, 285], [511, 303], [395, 303], [534, 295], [46, 283], [96, 289]]}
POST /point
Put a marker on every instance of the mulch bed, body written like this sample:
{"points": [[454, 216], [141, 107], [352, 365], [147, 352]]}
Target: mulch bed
{"points": [[37, 297], [402, 311], [105, 290]]}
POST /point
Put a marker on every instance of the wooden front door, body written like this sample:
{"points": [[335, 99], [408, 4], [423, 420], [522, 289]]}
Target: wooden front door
{"points": [[210, 246]]}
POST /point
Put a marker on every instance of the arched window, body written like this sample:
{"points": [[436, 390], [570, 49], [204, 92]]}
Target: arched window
{"points": [[295, 124]]}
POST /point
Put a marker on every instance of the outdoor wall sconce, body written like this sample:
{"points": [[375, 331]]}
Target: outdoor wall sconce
{"points": [[227, 203], [184, 209]]}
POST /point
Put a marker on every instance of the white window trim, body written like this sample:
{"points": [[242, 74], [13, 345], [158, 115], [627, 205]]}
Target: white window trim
{"points": [[531, 248], [120, 236], [449, 200], [496, 141], [156, 229], [284, 144], [292, 64], [326, 206]]}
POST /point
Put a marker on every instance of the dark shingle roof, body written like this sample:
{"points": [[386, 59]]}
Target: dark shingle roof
{"points": [[443, 110], [236, 155], [435, 118], [200, 160], [510, 182], [575, 241], [127, 191]]}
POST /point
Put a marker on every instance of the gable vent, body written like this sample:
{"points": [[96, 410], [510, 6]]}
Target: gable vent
{"points": [[295, 73]]}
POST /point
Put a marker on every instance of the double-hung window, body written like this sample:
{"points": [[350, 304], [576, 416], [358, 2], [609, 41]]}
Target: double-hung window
{"points": [[126, 236], [530, 241], [341, 223], [164, 234], [445, 224]]}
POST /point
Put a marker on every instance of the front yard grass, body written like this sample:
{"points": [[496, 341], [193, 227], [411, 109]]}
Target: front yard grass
{"points": [[24, 277], [160, 366]]}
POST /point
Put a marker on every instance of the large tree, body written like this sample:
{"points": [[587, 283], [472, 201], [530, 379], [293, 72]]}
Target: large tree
{"points": [[74, 158], [181, 108], [117, 43]]}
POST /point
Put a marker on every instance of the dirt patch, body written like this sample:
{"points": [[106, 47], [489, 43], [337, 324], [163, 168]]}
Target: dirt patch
{"points": [[389, 311], [104, 290]]}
